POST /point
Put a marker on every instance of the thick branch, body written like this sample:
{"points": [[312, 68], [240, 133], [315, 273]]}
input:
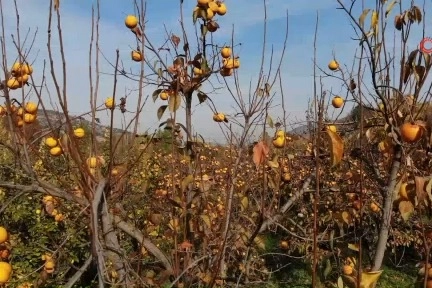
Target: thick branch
{"points": [[287, 205], [45, 187], [77, 276], [387, 210], [112, 244], [135, 233], [97, 249]]}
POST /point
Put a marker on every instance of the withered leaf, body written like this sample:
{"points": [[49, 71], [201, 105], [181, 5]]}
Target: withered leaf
{"points": [[336, 147], [175, 39], [202, 97], [420, 72], [349, 281], [155, 94], [186, 181], [352, 85], [420, 188], [244, 203], [161, 111], [406, 72], [49, 207], [346, 217], [398, 22], [156, 218], [206, 220], [196, 64], [406, 208], [260, 152], [179, 61], [412, 56], [390, 7], [269, 121], [363, 16], [137, 31], [185, 245], [174, 102], [416, 14]]}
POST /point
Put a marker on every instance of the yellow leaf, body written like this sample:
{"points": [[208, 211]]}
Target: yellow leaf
{"points": [[260, 242], [206, 220], [244, 238], [244, 203], [206, 277], [174, 224], [369, 279], [363, 16], [337, 147], [374, 21], [346, 217], [154, 233], [406, 208], [354, 247], [174, 102], [390, 7], [351, 260], [340, 283], [274, 163], [186, 181]]}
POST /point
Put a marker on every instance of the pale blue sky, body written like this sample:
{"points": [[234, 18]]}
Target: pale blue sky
{"points": [[246, 15]]}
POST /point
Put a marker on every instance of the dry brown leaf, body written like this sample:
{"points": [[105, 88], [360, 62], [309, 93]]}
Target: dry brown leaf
{"points": [[336, 147], [406, 208], [186, 245], [420, 188], [137, 31], [175, 39], [260, 152], [346, 217], [409, 100], [156, 218], [420, 72], [349, 281], [406, 72], [56, 4], [421, 123], [398, 22], [49, 207]]}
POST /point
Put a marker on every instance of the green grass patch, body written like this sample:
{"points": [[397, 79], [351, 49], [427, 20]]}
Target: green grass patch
{"points": [[392, 277]]}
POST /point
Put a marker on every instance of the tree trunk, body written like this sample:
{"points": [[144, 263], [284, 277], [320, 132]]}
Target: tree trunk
{"points": [[387, 210], [190, 152], [113, 249], [188, 97]]}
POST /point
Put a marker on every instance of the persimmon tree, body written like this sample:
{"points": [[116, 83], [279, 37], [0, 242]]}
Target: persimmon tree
{"points": [[126, 200], [389, 137]]}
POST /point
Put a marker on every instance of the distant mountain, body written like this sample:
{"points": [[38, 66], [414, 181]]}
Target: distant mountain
{"points": [[58, 121], [352, 116]]}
